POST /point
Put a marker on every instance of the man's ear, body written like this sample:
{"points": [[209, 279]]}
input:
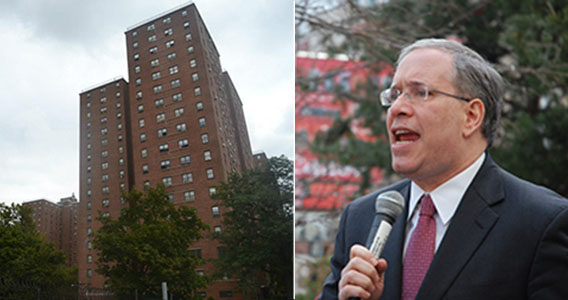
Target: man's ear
{"points": [[474, 114]]}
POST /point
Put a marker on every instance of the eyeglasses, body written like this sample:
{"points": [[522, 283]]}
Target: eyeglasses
{"points": [[415, 93]]}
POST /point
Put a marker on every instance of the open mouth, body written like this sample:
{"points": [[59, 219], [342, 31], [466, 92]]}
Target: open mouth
{"points": [[404, 136]]}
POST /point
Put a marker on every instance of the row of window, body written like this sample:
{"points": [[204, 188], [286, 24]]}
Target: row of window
{"points": [[154, 49], [103, 90], [185, 177], [172, 56]]}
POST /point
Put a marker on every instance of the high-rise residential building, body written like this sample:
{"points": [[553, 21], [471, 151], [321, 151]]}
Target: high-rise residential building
{"points": [[179, 121], [58, 224]]}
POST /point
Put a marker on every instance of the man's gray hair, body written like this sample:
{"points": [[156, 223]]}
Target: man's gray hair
{"points": [[473, 77]]}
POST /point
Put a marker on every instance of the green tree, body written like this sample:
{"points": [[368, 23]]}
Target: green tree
{"points": [[31, 267], [523, 39], [258, 230], [149, 244]]}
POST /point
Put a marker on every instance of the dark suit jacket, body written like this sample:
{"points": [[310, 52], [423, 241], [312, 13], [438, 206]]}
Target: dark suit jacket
{"points": [[508, 239]]}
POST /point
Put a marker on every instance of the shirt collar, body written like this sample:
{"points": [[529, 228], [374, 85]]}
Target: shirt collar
{"points": [[447, 196]]}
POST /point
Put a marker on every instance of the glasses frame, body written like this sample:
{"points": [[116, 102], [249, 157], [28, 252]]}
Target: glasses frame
{"points": [[383, 96]]}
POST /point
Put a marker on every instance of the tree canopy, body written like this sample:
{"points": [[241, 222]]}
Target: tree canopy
{"points": [[30, 265], [148, 244], [258, 230]]}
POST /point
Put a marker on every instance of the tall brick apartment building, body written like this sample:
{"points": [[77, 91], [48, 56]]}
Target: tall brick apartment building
{"points": [[58, 224], [179, 121]]}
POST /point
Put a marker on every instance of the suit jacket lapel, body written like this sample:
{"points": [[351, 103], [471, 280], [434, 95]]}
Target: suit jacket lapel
{"points": [[393, 252], [472, 221]]}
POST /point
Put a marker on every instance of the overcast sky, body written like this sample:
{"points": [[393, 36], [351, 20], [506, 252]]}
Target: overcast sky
{"points": [[53, 49]]}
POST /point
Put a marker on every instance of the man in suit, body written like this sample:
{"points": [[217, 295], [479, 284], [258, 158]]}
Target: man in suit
{"points": [[469, 229]]}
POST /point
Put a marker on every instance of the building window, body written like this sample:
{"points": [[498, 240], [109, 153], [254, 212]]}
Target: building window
{"points": [[153, 50], [103, 100], [159, 103], [207, 155], [178, 112], [202, 122], [188, 37], [118, 115], [104, 131], [144, 153], [177, 97], [210, 174], [140, 108], [165, 164], [141, 123], [217, 229], [171, 56], [155, 62], [167, 181], [156, 75], [187, 177], [136, 69], [199, 106], [88, 104], [190, 49], [134, 33], [160, 117], [164, 147], [196, 253], [89, 207], [104, 178], [162, 132], [184, 160], [197, 91], [170, 44], [157, 89], [136, 56], [104, 165], [152, 38], [121, 174], [189, 196], [120, 150], [89, 230], [212, 191], [103, 89], [139, 95], [121, 161], [150, 27], [105, 190], [184, 13], [145, 169], [195, 76], [135, 45], [104, 142], [192, 63], [89, 192], [186, 24], [120, 137], [175, 83], [183, 143], [215, 211], [138, 81], [168, 31], [147, 183], [226, 294], [89, 271], [174, 69], [119, 126], [142, 137], [181, 127], [89, 180], [117, 96], [89, 218], [104, 154], [204, 138], [167, 20]]}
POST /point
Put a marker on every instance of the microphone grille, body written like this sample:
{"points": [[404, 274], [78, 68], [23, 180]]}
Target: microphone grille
{"points": [[389, 203]]}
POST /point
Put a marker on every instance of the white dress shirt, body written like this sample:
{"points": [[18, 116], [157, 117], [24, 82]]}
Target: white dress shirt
{"points": [[446, 199]]}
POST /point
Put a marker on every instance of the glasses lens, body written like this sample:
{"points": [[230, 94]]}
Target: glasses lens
{"points": [[418, 93]]}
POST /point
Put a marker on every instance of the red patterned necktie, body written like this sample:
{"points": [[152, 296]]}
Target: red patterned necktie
{"points": [[420, 250]]}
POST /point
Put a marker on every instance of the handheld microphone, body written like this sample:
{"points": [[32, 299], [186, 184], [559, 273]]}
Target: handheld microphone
{"points": [[388, 207]]}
